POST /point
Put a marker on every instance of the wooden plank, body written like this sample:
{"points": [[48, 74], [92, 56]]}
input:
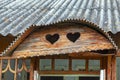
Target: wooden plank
{"points": [[37, 44], [118, 53], [87, 65], [53, 64], [16, 68], [81, 55], [32, 69], [70, 63], [109, 76], [114, 68], [69, 72]]}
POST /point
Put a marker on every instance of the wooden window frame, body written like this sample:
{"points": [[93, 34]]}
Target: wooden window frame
{"points": [[69, 71]]}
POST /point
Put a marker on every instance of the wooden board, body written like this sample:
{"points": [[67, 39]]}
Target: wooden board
{"points": [[38, 44]]}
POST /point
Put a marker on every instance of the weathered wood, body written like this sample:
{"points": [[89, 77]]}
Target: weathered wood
{"points": [[109, 68], [5, 42], [70, 63], [118, 53], [116, 39], [69, 72], [32, 69], [0, 69], [17, 42], [87, 65], [53, 64], [113, 68], [37, 44], [16, 68]]}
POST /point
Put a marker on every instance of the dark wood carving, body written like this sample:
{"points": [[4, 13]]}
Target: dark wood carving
{"points": [[73, 36], [52, 38]]}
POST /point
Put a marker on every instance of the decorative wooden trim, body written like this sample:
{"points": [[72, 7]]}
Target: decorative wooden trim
{"points": [[109, 68]]}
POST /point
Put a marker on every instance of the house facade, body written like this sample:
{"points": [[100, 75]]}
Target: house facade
{"points": [[59, 40]]}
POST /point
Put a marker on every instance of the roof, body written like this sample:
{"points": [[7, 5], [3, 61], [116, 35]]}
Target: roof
{"points": [[18, 15]]}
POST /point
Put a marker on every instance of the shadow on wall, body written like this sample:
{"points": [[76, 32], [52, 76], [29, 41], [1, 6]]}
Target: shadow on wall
{"points": [[116, 38], [5, 42]]}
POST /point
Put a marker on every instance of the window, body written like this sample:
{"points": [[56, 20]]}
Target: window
{"points": [[78, 65], [61, 64], [45, 64], [69, 66], [94, 65]]}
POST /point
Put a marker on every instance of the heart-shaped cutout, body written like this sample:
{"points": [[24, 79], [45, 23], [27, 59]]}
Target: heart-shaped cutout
{"points": [[52, 38], [73, 36]]}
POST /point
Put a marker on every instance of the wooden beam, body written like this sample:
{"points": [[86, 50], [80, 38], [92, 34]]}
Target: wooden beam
{"points": [[69, 72], [109, 76], [113, 68]]}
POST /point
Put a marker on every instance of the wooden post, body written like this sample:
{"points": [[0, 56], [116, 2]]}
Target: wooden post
{"points": [[16, 68], [113, 67], [109, 76], [87, 64], [53, 62], [32, 69], [70, 63]]}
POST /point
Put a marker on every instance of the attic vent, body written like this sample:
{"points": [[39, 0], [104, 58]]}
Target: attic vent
{"points": [[73, 36], [52, 38]]}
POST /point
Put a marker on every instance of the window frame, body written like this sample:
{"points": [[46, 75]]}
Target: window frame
{"points": [[70, 71]]}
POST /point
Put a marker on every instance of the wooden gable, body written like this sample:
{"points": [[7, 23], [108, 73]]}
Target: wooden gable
{"points": [[62, 39]]}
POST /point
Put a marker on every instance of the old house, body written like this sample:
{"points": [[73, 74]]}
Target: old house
{"points": [[59, 39]]}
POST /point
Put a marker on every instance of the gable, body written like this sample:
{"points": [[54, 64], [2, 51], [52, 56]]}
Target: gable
{"points": [[62, 39]]}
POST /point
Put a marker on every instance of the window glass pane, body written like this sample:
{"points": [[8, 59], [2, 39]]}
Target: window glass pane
{"points": [[78, 65], [94, 65], [27, 62], [61, 64], [12, 64], [45, 64], [23, 75], [71, 78], [4, 64]]}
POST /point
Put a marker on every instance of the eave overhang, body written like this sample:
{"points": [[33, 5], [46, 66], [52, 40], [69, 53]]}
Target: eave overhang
{"points": [[22, 36]]}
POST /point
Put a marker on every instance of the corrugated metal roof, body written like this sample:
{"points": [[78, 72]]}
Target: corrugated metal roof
{"points": [[17, 15]]}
